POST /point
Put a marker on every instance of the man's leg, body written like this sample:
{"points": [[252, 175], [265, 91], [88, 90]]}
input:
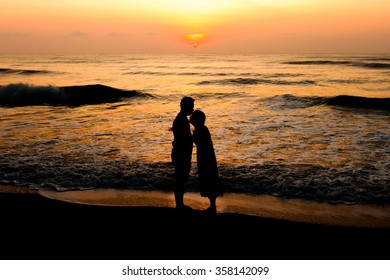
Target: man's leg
{"points": [[179, 195], [182, 172]]}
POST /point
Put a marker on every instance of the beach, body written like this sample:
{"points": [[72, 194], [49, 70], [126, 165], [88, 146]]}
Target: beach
{"points": [[281, 125], [303, 155], [36, 226]]}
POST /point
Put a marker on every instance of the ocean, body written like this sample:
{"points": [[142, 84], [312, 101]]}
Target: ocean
{"points": [[310, 126]]}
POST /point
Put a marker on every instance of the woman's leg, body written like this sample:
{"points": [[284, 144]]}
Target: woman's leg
{"points": [[213, 204]]}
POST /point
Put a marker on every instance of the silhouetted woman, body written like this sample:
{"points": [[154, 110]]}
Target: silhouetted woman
{"points": [[210, 185]]}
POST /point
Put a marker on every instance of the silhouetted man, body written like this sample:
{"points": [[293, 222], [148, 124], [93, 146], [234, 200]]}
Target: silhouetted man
{"points": [[182, 148]]}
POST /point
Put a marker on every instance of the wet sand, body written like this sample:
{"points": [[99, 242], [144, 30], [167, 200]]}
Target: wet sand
{"points": [[295, 210], [116, 225]]}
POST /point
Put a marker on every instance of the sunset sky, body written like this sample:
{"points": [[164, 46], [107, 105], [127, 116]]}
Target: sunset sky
{"points": [[184, 26]]}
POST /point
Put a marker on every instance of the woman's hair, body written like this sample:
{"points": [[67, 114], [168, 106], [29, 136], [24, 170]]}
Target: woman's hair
{"points": [[198, 116]]}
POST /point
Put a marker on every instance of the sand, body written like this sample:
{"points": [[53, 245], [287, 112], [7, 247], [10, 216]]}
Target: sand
{"points": [[112, 224], [295, 210]]}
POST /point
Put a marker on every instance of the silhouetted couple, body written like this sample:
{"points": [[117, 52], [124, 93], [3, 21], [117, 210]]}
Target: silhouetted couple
{"points": [[210, 185]]}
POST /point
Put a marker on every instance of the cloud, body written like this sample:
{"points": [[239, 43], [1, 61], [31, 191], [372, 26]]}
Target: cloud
{"points": [[13, 34], [114, 34], [152, 34], [78, 34]]}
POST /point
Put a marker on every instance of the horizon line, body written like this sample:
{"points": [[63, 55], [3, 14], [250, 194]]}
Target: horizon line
{"points": [[195, 52]]}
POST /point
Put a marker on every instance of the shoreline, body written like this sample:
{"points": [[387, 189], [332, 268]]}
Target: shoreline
{"points": [[38, 227], [267, 206]]}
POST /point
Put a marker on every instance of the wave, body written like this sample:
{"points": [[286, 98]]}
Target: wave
{"points": [[289, 101], [202, 74], [251, 81], [359, 102], [22, 94], [214, 74], [306, 181], [22, 72], [370, 65]]}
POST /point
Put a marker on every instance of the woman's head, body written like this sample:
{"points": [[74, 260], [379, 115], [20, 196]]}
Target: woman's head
{"points": [[198, 118]]}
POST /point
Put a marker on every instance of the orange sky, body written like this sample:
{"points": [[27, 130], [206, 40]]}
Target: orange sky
{"points": [[224, 26]]}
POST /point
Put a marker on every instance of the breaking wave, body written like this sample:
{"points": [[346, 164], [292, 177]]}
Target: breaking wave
{"points": [[294, 102], [359, 102], [306, 181], [22, 94], [251, 81], [22, 72], [370, 65]]}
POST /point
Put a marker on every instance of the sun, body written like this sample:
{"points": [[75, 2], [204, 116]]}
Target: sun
{"points": [[195, 38]]}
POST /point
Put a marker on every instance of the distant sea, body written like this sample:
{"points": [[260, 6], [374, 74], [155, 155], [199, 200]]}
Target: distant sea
{"points": [[306, 126]]}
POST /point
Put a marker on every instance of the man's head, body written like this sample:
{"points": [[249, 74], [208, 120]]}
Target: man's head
{"points": [[187, 105]]}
